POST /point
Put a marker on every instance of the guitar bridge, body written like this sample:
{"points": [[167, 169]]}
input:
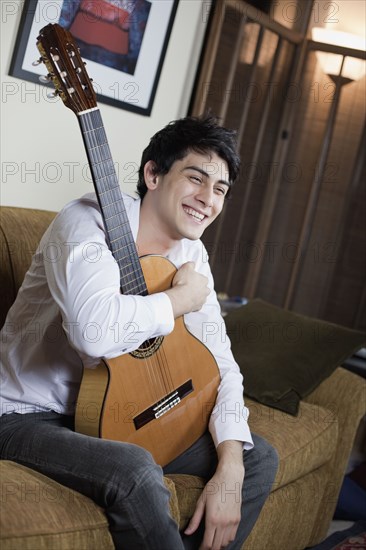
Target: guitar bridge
{"points": [[163, 406]]}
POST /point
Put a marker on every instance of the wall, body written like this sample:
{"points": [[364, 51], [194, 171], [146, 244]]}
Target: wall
{"points": [[42, 157]]}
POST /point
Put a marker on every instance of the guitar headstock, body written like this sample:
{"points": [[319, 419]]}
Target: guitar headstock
{"points": [[66, 69]]}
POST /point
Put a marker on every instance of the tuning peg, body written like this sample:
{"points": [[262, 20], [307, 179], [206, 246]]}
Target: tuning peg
{"points": [[52, 95], [37, 62], [45, 79]]}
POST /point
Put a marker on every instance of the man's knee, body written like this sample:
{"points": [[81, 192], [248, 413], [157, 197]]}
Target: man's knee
{"points": [[140, 468], [271, 458], [123, 469], [264, 450]]}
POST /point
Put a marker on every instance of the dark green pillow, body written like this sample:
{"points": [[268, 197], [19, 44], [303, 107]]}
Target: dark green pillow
{"points": [[283, 355]]}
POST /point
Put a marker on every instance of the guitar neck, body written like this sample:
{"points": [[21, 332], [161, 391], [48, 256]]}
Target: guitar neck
{"points": [[121, 241]]}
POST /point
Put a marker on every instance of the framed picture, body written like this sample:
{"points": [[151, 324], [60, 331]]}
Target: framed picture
{"points": [[122, 41]]}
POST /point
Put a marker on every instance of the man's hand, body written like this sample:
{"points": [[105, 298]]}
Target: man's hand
{"points": [[189, 290], [220, 501]]}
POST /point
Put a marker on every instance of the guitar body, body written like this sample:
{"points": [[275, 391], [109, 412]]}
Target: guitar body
{"points": [[133, 397]]}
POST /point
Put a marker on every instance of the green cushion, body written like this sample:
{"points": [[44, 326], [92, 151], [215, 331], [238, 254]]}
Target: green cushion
{"points": [[283, 355]]}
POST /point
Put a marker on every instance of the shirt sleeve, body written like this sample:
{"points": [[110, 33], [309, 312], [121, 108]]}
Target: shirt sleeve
{"points": [[83, 278], [229, 418]]}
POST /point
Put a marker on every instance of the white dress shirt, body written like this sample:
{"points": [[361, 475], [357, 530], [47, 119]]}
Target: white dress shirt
{"points": [[69, 313]]}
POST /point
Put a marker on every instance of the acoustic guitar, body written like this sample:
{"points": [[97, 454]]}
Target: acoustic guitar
{"points": [[159, 396]]}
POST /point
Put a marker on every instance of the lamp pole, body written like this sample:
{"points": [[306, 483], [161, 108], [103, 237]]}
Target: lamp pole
{"points": [[310, 212]]}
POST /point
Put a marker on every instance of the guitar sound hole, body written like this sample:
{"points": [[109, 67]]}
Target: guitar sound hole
{"points": [[148, 348]]}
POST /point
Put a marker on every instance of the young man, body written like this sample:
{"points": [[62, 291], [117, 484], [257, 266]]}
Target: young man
{"points": [[185, 176]]}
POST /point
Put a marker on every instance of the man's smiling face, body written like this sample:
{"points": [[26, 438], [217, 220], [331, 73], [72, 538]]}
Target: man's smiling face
{"points": [[190, 196]]}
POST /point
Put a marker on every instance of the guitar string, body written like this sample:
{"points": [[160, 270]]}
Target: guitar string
{"points": [[92, 139], [160, 358], [89, 132], [164, 361], [90, 126]]}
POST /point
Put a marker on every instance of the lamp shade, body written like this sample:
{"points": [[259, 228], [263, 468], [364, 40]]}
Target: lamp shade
{"points": [[353, 68]]}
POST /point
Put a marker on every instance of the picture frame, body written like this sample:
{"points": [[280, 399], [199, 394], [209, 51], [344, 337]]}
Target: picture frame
{"points": [[123, 42]]}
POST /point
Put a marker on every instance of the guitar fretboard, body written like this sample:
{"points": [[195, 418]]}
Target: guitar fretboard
{"points": [[121, 242]]}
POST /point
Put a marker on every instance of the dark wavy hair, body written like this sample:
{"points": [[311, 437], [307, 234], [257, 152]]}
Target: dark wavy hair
{"points": [[199, 134]]}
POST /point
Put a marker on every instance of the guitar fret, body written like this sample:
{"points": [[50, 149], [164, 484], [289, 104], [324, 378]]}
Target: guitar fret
{"points": [[125, 266], [109, 194], [132, 283], [108, 197], [103, 177], [112, 193], [111, 217], [116, 239], [124, 247], [108, 205], [103, 152], [121, 258], [130, 278], [116, 228], [113, 206], [100, 147], [117, 249], [130, 290], [124, 259], [100, 173], [129, 274]]}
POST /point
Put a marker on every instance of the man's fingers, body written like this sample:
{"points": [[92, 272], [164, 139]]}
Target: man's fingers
{"points": [[196, 518]]}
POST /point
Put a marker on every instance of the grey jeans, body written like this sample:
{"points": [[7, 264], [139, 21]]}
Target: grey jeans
{"points": [[124, 480]]}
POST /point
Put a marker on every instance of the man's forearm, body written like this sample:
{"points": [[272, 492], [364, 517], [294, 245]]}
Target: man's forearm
{"points": [[230, 453]]}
